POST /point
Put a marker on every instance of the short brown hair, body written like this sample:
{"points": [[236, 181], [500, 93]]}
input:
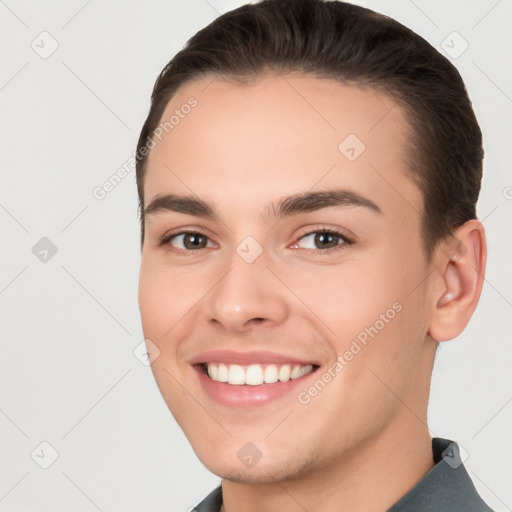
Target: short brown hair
{"points": [[353, 45]]}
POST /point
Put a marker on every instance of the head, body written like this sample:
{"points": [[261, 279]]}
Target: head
{"points": [[324, 159], [356, 46]]}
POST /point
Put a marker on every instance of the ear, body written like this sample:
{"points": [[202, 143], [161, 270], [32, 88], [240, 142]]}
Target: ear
{"points": [[461, 268]]}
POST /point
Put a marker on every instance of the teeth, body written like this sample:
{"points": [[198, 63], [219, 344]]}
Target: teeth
{"points": [[256, 374], [213, 372], [271, 375], [223, 373], [236, 375], [295, 372], [284, 373]]}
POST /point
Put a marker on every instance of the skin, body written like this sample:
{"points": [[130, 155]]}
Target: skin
{"points": [[363, 441]]}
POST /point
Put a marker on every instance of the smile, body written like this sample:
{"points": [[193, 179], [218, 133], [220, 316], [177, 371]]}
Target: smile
{"points": [[255, 374], [248, 379]]}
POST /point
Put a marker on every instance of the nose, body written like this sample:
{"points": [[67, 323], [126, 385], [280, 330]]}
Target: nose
{"points": [[249, 294]]}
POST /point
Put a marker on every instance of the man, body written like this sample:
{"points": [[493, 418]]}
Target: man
{"points": [[307, 177]]}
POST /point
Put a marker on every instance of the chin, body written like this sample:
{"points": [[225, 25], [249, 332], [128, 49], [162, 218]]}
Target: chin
{"points": [[265, 471]]}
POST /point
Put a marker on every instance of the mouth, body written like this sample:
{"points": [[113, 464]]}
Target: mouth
{"points": [[244, 380], [255, 374]]}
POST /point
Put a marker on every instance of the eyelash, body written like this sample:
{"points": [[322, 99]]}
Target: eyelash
{"points": [[165, 240], [344, 239]]}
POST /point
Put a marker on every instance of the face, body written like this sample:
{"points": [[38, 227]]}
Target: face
{"points": [[283, 278]]}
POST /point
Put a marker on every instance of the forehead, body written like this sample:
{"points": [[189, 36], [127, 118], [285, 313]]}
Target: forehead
{"points": [[279, 135]]}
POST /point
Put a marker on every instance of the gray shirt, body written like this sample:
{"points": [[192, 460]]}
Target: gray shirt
{"points": [[447, 487]]}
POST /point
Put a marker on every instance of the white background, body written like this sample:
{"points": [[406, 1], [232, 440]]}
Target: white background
{"points": [[69, 325]]}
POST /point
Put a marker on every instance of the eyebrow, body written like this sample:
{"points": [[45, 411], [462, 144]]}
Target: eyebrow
{"points": [[291, 205]]}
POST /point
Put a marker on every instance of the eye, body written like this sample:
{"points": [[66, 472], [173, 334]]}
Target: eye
{"points": [[186, 241], [325, 240]]}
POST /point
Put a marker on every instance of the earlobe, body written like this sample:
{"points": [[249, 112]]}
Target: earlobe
{"points": [[461, 264]]}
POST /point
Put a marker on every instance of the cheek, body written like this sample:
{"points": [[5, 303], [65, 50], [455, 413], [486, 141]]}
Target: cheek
{"points": [[385, 316], [153, 298], [367, 300], [166, 294], [346, 299], [163, 306]]}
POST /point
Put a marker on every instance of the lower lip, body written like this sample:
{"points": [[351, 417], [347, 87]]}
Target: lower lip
{"points": [[246, 396]]}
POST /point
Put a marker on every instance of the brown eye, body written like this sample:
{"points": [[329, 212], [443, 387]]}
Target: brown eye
{"points": [[322, 240], [187, 241], [194, 241], [326, 240]]}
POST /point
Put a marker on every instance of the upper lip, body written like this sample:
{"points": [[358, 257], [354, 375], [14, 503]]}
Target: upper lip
{"points": [[245, 358]]}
